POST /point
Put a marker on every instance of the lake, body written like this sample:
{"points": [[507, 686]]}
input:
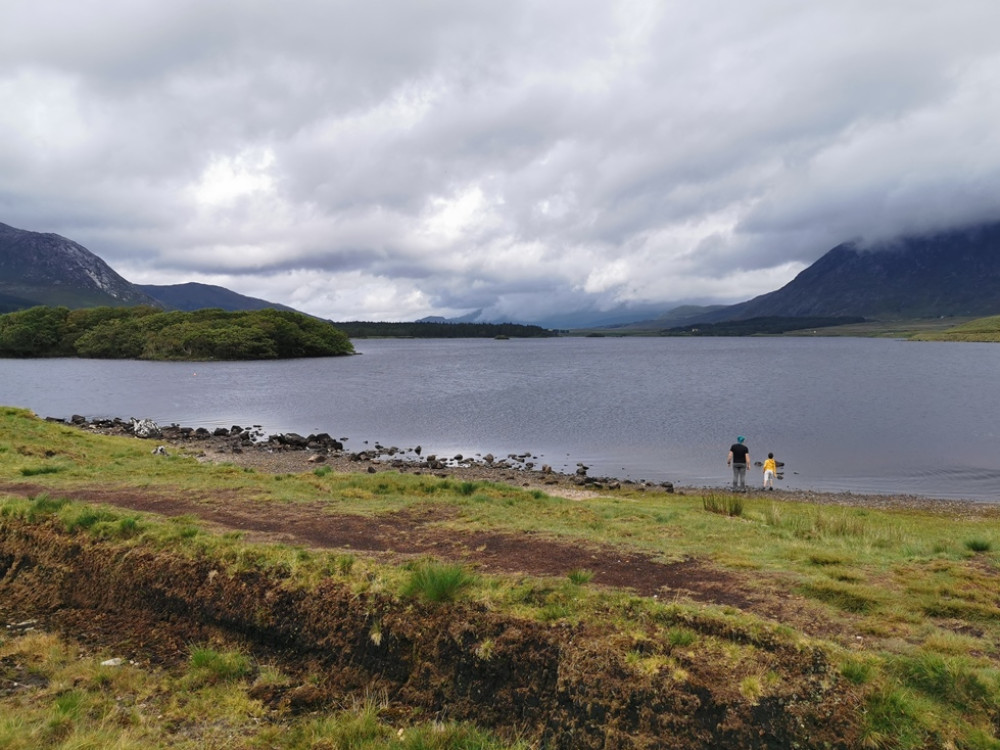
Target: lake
{"points": [[859, 415]]}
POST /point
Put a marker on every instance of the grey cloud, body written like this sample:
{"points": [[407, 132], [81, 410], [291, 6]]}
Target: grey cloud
{"points": [[506, 156]]}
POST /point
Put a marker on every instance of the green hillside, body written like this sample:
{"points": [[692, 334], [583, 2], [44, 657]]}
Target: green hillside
{"points": [[980, 329]]}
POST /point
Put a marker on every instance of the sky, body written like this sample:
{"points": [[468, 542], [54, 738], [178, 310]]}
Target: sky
{"points": [[396, 159]]}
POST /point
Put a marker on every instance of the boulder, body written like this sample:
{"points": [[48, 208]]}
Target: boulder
{"points": [[145, 428], [291, 439]]}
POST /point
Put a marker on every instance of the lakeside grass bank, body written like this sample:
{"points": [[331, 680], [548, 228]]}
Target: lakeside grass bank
{"points": [[781, 621]]}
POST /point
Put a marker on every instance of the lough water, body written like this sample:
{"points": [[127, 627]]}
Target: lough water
{"points": [[860, 415]]}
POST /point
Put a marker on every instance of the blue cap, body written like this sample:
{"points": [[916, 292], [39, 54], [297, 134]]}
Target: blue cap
{"points": [[740, 439]]}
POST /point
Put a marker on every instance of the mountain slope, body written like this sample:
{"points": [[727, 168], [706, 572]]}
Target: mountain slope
{"points": [[46, 269], [954, 273], [194, 296]]}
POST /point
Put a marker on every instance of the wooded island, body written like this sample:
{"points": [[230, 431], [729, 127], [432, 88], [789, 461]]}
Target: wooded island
{"points": [[148, 333]]}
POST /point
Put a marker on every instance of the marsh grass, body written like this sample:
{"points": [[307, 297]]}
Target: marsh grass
{"points": [[848, 597], [35, 471], [580, 577], [723, 503], [978, 545], [437, 582], [209, 666]]}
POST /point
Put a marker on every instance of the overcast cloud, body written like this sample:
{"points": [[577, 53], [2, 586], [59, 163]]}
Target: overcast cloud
{"points": [[393, 159]]}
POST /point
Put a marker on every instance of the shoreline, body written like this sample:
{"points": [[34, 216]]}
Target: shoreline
{"points": [[290, 453]]}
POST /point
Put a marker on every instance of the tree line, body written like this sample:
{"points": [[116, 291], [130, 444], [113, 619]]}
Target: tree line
{"points": [[144, 332], [765, 325]]}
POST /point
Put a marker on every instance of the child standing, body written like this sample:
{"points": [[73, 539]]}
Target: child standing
{"points": [[770, 467]]}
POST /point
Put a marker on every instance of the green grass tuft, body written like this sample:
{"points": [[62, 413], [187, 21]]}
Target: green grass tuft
{"points": [[207, 666], [579, 577], [723, 504], [845, 596], [978, 545], [856, 671], [35, 471], [436, 582]]}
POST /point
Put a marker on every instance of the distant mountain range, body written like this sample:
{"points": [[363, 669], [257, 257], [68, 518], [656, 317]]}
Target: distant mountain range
{"points": [[45, 269], [954, 273]]}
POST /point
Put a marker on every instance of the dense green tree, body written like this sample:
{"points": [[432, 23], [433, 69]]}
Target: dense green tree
{"points": [[34, 332], [148, 333], [118, 338]]}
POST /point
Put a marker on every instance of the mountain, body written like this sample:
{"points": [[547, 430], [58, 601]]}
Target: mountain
{"points": [[472, 317], [46, 269], [195, 296], [954, 273], [646, 316], [677, 316]]}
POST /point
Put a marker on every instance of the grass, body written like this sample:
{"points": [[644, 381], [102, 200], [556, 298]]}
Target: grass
{"points": [[903, 602], [980, 329], [436, 582], [723, 504], [580, 577], [64, 699], [209, 666]]}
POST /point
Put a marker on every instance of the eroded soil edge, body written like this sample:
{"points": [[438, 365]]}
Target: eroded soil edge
{"points": [[557, 685]]}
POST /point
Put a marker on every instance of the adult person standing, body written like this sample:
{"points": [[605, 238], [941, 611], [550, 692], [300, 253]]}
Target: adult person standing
{"points": [[739, 459]]}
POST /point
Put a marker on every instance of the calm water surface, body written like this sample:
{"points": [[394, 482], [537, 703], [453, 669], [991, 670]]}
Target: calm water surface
{"points": [[862, 415]]}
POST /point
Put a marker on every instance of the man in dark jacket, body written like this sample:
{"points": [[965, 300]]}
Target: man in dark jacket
{"points": [[739, 459]]}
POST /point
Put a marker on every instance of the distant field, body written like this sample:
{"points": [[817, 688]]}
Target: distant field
{"points": [[980, 329], [870, 329], [896, 329]]}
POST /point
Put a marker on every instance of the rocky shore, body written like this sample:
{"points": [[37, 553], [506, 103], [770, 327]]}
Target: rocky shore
{"points": [[290, 453]]}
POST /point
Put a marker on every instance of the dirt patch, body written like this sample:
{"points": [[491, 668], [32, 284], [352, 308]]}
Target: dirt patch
{"points": [[415, 533]]}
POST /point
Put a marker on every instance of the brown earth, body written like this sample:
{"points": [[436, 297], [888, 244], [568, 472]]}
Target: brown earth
{"points": [[560, 686]]}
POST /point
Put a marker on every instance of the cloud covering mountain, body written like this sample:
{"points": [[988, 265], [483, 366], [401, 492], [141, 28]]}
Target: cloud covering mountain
{"points": [[393, 160]]}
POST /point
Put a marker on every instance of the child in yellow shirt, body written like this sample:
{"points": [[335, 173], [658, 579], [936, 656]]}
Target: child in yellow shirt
{"points": [[770, 468]]}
